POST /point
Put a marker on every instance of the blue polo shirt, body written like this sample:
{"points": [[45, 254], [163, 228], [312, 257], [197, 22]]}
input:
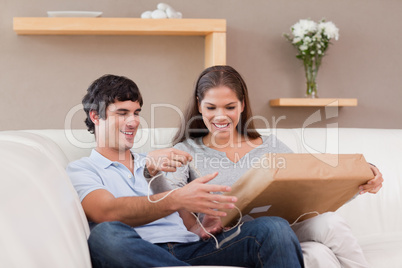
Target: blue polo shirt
{"points": [[97, 172]]}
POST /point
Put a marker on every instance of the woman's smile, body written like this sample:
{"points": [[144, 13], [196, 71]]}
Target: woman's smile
{"points": [[221, 126]]}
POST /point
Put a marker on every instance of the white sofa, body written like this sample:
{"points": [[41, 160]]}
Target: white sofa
{"points": [[43, 225]]}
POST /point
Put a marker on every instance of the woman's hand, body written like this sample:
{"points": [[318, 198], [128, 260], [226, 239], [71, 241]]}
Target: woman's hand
{"points": [[374, 185], [166, 160], [212, 225]]}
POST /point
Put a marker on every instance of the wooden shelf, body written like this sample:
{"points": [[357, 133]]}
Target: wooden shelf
{"points": [[307, 102], [117, 26], [214, 30]]}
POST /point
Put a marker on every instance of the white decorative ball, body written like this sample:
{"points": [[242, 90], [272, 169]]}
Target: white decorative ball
{"points": [[159, 14], [172, 14], [146, 15], [162, 6]]}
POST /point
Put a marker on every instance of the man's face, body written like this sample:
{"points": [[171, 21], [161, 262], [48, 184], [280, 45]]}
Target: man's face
{"points": [[118, 130]]}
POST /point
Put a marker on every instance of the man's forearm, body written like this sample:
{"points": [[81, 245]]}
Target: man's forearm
{"points": [[134, 211]]}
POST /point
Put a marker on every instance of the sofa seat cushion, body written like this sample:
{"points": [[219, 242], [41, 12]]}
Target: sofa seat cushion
{"points": [[383, 250]]}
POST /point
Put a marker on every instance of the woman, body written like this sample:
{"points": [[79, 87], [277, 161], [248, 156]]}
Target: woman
{"points": [[219, 133]]}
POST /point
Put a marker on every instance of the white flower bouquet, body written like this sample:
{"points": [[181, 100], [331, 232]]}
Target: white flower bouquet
{"points": [[312, 40]]}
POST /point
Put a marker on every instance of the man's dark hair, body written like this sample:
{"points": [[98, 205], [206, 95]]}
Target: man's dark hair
{"points": [[105, 91]]}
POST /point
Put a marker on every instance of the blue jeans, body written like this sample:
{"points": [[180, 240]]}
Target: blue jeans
{"points": [[263, 242]]}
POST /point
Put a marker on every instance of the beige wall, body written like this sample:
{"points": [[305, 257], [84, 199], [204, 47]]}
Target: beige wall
{"points": [[43, 78]]}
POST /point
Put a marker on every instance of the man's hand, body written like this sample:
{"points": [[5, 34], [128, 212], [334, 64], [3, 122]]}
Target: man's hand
{"points": [[199, 197], [374, 185], [166, 160]]}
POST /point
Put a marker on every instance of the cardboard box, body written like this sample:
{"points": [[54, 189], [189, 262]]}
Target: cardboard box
{"points": [[290, 185]]}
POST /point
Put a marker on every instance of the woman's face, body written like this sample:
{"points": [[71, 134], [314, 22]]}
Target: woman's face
{"points": [[221, 110]]}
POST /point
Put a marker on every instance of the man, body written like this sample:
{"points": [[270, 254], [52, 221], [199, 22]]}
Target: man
{"points": [[127, 229]]}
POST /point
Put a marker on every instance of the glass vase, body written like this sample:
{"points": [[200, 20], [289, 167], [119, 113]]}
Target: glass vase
{"points": [[311, 73], [311, 91]]}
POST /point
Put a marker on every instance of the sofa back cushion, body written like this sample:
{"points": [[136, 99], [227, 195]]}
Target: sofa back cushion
{"points": [[368, 214]]}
